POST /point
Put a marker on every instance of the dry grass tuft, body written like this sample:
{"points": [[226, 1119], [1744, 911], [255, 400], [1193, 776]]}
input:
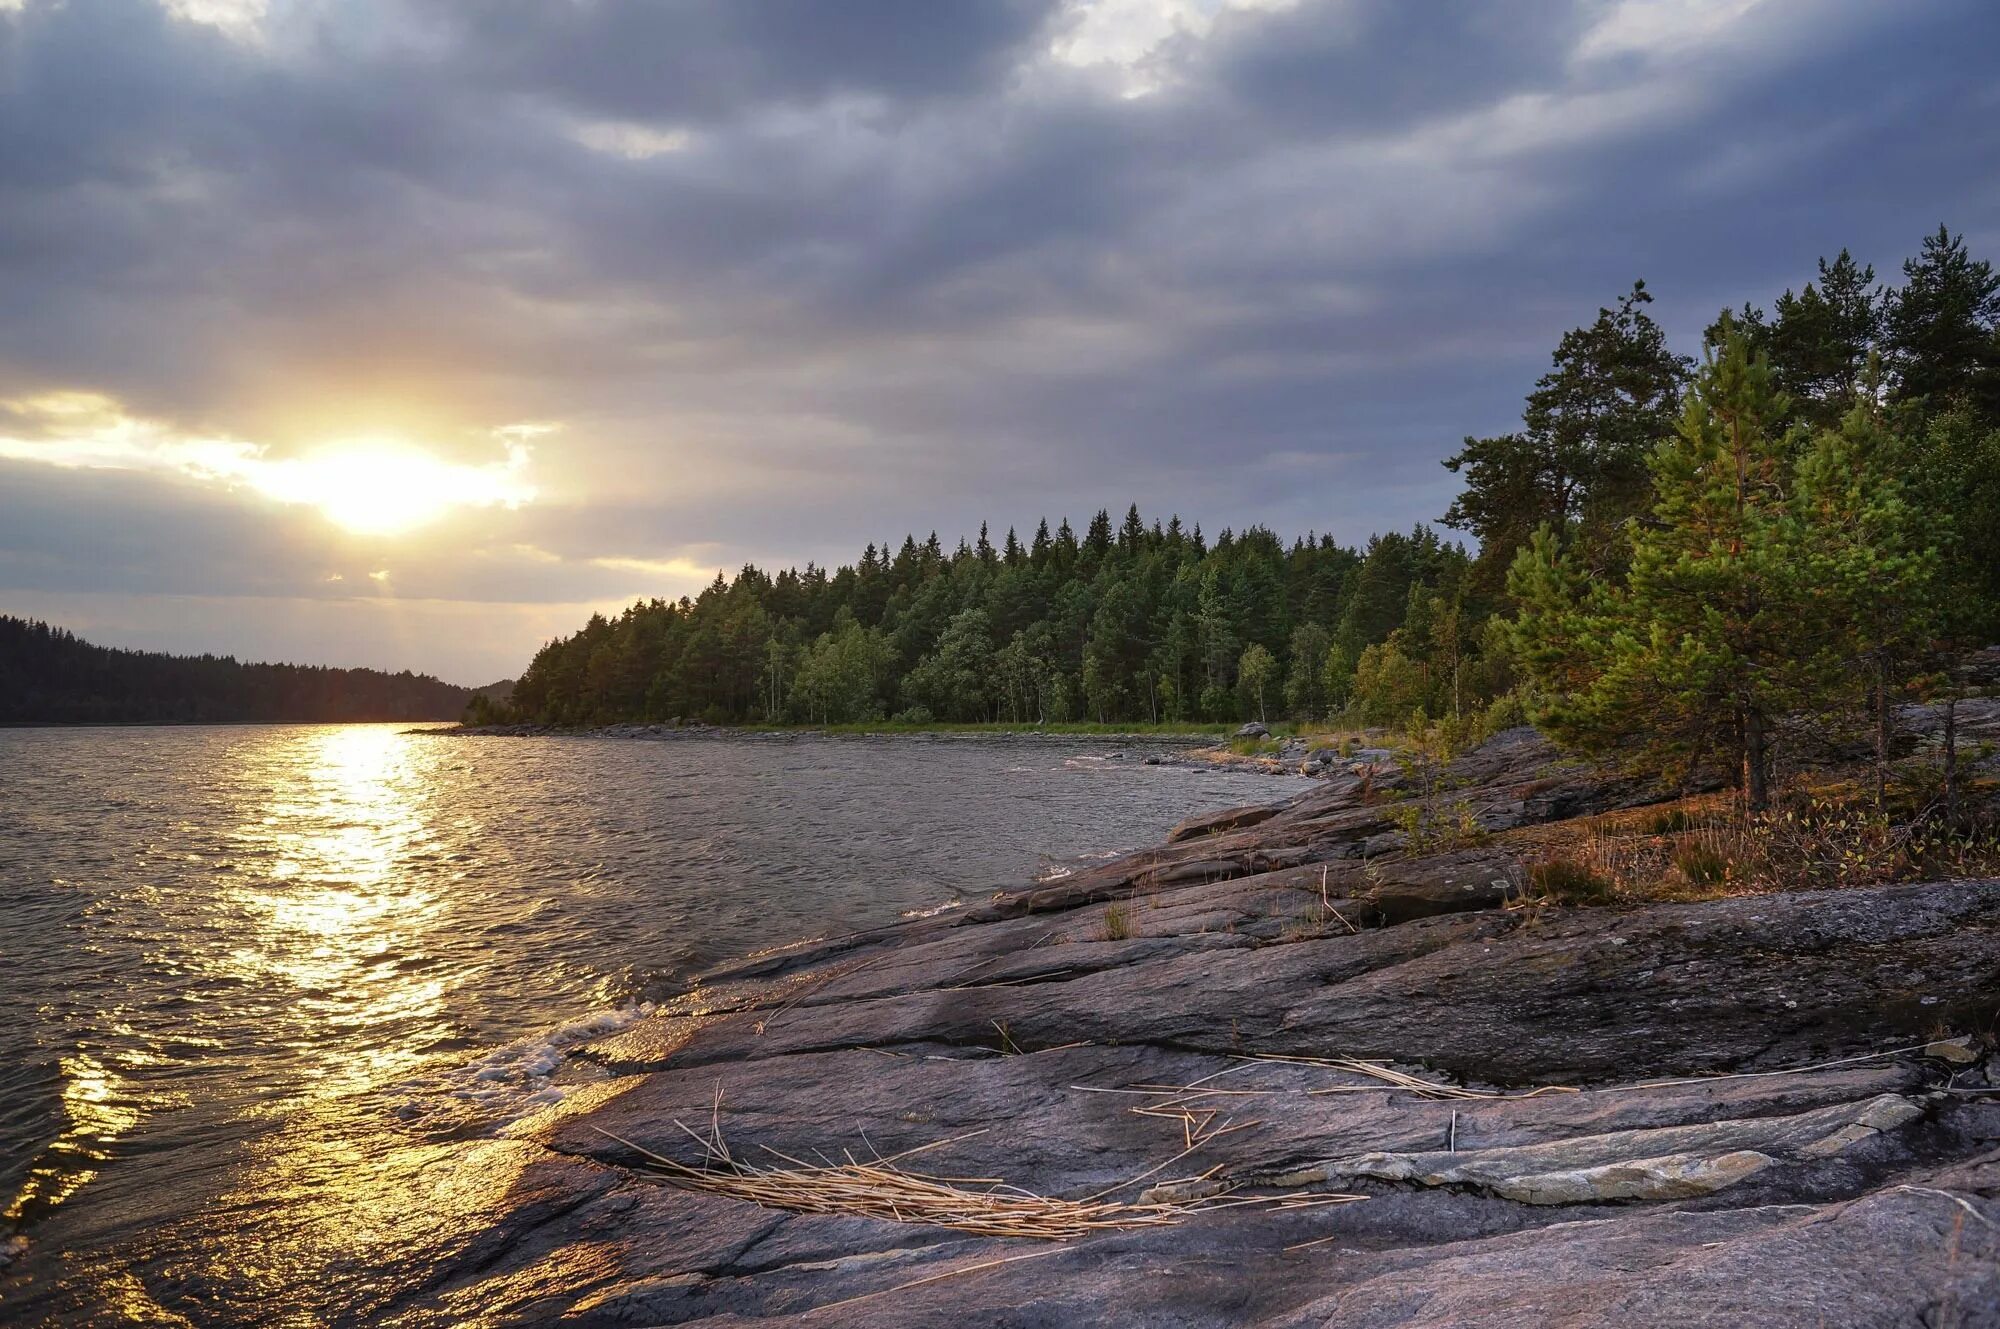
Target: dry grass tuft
{"points": [[1117, 921], [880, 1188], [1564, 880]]}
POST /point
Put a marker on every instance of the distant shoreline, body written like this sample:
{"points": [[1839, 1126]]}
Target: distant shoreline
{"points": [[879, 729], [202, 724], [1210, 747]]}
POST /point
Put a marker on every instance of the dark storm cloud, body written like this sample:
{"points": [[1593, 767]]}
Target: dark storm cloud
{"points": [[798, 275]]}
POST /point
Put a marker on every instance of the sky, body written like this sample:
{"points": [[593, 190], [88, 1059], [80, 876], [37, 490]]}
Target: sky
{"points": [[407, 333]]}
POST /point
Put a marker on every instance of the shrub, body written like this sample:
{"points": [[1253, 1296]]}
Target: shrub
{"points": [[1506, 712]]}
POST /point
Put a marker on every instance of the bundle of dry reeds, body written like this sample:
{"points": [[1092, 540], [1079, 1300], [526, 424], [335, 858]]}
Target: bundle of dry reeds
{"points": [[879, 1188]]}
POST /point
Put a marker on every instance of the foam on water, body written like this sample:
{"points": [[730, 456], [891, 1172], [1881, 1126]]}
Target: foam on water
{"points": [[512, 1081]]}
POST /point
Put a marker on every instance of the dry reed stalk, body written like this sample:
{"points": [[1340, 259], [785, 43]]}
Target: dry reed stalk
{"points": [[1760, 1075], [879, 1189], [812, 983], [1399, 1079]]}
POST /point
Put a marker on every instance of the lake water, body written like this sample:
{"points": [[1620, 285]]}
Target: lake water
{"points": [[246, 971]]}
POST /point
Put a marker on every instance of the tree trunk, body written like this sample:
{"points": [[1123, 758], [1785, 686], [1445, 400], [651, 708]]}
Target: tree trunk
{"points": [[1736, 742], [1951, 759], [1881, 733], [1756, 762]]}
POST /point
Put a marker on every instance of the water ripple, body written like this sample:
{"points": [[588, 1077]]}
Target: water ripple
{"points": [[214, 937]]}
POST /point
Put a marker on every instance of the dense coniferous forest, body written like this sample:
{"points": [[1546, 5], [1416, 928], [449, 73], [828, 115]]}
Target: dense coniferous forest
{"points": [[1670, 555], [48, 676]]}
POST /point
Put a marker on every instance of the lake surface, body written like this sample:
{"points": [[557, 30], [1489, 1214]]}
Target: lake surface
{"points": [[246, 973]]}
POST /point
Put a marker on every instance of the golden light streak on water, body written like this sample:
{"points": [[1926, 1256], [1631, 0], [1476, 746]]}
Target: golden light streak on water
{"points": [[96, 1103], [337, 919]]}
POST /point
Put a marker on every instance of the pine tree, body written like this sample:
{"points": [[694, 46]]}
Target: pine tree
{"points": [[1944, 328], [1699, 653], [1305, 676], [1820, 339], [1579, 462], [1867, 567]]}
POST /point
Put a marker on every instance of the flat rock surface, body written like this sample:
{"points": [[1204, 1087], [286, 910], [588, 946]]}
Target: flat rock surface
{"points": [[1672, 1114]]}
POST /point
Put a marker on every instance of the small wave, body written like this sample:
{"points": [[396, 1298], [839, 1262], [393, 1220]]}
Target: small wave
{"points": [[934, 910], [512, 1080]]}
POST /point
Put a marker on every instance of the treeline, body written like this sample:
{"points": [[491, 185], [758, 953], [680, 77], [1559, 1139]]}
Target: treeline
{"points": [[1127, 622], [49, 676], [1152, 621]]}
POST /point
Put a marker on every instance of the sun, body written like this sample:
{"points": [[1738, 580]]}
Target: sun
{"points": [[385, 487], [380, 491]]}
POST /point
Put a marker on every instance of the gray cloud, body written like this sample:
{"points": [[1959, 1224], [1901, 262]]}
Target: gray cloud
{"points": [[831, 272]]}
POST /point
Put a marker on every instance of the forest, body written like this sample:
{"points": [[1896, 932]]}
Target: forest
{"points": [[49, 676], [1676, 557]]}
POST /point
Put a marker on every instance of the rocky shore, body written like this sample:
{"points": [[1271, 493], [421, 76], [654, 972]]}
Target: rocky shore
{"points": [[1280, 1071], [1290, 756]]}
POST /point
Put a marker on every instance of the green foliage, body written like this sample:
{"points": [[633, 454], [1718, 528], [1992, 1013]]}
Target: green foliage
{"points": [[1134, 623], [1255, 673], [1578, 464], [1799, 532], [840, 678], [1699, 653], [1306, 695], [1432, 821], [1944, 328], [954, 680]]}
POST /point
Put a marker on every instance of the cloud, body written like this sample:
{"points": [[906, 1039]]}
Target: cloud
{"points": [[370, 485], [796, 275]]}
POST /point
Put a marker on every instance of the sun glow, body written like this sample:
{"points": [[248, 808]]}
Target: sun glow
{"points": [[374, 485], [381, 487]]}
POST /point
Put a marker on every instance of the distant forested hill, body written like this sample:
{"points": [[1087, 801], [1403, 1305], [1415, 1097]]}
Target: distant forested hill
{"points": [[48, 675]]}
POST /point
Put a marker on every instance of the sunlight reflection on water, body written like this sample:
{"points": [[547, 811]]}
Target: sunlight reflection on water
{"points": [[232, 953]]}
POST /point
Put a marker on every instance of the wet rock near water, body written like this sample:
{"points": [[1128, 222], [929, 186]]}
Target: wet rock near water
{"points": [[1780, 1110]]}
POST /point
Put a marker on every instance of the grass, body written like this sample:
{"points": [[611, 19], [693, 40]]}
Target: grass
{"points": [[1117, 921], [1704, 864], [882, 1190], [1816, 836], [1564, 880]]}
